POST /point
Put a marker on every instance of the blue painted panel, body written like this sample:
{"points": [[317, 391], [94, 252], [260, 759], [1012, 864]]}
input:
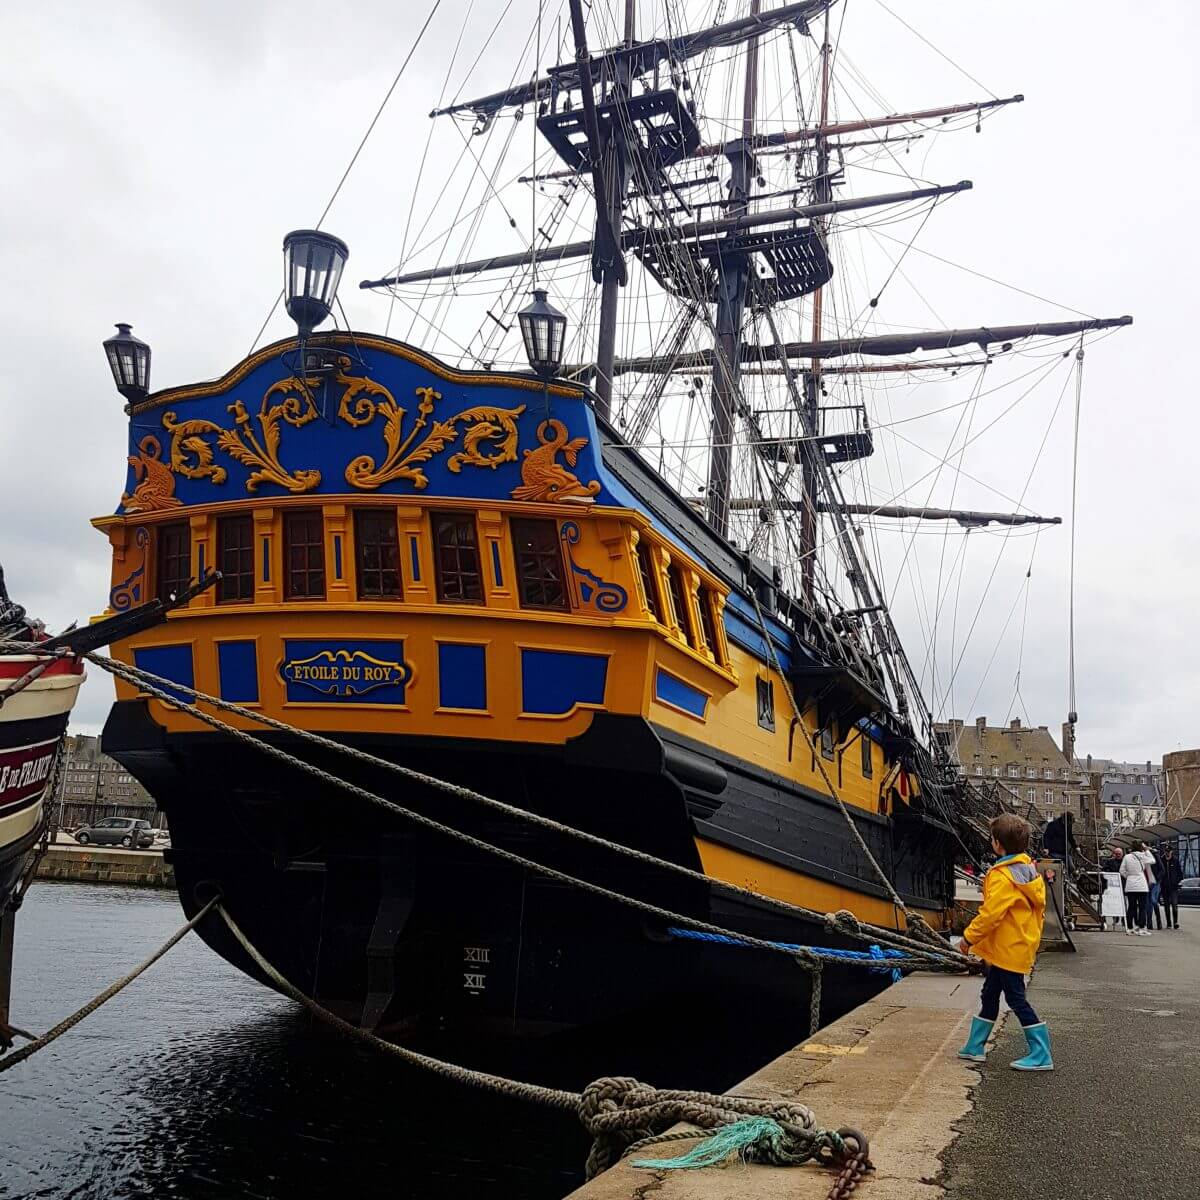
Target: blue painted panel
{"points": [[237, 666], [496, 572], [554, 681], [266, 557], [200, 573], [337, 556], [171, 662], [345, 672], [414, 550], [462, 676], [671, 690], [468, 437]]}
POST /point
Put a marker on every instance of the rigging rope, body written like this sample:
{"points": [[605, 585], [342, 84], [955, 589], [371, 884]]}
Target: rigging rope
{"points": [[1071, 710]]}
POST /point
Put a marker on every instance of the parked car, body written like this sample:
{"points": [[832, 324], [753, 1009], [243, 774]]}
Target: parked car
{"points": [[117, 831], [1189, 891]]}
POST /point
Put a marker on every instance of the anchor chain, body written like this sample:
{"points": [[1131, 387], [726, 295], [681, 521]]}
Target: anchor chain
{"points": [[856, 1165]]}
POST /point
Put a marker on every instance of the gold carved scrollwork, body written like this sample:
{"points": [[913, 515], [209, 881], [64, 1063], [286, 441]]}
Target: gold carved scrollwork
{"points": [[192, 456], [490, 438]]}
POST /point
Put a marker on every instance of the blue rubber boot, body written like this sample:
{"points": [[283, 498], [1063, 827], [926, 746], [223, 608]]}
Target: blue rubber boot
{"points": [[976, 1047], [1038, 1058]]}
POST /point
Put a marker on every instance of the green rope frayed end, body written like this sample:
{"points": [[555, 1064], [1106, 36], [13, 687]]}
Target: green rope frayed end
{"points": [[736, 1138]]}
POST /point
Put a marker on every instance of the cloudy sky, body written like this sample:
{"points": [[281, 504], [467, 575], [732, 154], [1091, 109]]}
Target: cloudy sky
{"points": [[156, 154]]}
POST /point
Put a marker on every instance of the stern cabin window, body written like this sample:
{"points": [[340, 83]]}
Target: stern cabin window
{"points": [[377, 554], [235, 553], [304, 555], [707, 626], [865, 743], [174, 558], [649, 588], [675, 580], [539, 564], [456, 557]]}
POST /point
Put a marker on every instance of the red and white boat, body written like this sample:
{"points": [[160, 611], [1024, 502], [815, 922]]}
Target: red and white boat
{"points": [[36, 698]]}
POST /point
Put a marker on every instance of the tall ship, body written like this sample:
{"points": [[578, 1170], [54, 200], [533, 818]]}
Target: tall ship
{"points": [[604, 567]]}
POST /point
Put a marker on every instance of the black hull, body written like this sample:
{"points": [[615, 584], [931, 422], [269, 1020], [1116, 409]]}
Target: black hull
{"points": [[397, 927]]}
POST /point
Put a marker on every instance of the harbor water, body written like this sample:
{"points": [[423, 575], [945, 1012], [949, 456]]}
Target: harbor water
{"points": [[198, 1082]]}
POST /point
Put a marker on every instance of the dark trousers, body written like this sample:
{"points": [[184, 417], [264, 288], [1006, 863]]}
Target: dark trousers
{"points": [[1137, 906], [1011, 985], [1170, 903]]}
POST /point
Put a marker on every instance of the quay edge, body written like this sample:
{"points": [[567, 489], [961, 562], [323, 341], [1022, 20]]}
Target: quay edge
{"points": [[888, 1067]]}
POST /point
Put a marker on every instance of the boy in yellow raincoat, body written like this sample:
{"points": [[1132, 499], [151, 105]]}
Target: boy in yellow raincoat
{"points": [[1006, 935]]}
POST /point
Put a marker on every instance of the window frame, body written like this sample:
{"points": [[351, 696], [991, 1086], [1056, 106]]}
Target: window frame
{"points": [[764, 695], [679, 604], [438, 521], [292, 517], [550, 553], [865, 762], [161, 579], [647, 575], [706, 603], [245, 522], [381, 518]]}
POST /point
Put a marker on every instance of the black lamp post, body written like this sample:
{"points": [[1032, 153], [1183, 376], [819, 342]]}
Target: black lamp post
{"points": [[129, 358], [544, 330], [312, 269]]}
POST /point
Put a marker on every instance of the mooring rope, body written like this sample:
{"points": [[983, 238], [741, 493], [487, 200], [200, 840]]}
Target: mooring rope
{"points": [[439, 827], [618, 1112], [39, 1043], [934, 956]]}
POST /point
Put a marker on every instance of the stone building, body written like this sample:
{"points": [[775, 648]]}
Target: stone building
{"points": [[1026, 762], [1128, 795], [91, 786], [1181, 780]]}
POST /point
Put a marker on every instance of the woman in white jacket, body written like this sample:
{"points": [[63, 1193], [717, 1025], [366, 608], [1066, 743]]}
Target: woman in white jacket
{"points": [[1137, 887]]}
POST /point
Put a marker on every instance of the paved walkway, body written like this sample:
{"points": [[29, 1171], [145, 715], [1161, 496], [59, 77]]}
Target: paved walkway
{"points": [[1119, 1114]]}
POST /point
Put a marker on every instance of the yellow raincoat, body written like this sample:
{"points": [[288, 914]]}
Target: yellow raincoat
{"points": [[1008, 928]]}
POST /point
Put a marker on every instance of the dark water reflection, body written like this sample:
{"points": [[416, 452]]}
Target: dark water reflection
{"points": [[196, 1082]]}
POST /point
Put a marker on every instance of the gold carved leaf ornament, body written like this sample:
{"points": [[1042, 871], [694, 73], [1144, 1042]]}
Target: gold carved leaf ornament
{"points": [[192, 456], [487, 426]]}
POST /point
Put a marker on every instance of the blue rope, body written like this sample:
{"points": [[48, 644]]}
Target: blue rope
{"points": [[873, 959]]}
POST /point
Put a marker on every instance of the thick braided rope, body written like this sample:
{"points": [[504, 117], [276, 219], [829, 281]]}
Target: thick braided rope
{"points": [[618, 1112], [11, 1060], [929, 957], [417, 818], [623, 1115]]}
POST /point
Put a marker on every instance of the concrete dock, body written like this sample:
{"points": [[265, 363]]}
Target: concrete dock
{"points": [[1122, 1013], [105, 864]]}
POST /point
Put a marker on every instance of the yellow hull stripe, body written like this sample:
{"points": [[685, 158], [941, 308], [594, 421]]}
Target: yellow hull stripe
{"points": [[768, 879]]}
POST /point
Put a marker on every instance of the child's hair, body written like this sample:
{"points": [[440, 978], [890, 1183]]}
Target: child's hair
{"points": [[1011, 831]]}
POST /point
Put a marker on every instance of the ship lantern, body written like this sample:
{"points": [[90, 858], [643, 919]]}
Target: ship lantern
{"points": [[544, 329], [312, 269], [129, 358]]}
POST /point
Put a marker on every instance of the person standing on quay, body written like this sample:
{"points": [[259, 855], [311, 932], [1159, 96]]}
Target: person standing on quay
{"points": [[1134, 867], [1006, 934], [1170, 875]]}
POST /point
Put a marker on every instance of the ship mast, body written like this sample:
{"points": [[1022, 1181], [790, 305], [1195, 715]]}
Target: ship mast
{"points": [[810, 416], [733, 277], [615, 181]]}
